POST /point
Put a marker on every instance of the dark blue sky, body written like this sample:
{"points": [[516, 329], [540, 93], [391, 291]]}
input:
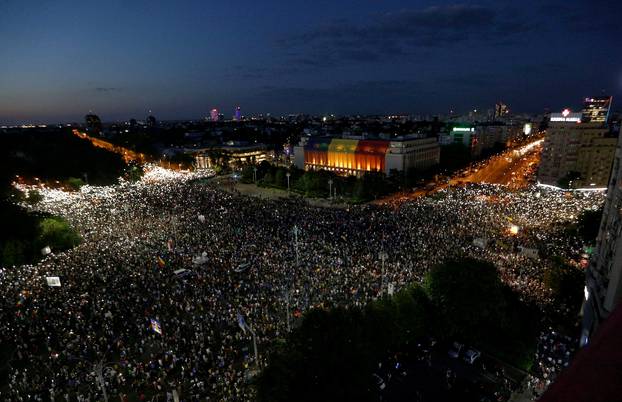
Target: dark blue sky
{"points": [[58, 59]]}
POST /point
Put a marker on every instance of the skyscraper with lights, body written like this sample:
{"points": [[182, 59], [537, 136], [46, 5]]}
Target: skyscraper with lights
{"points": [[596, 109], [603, 288], [214, 114]]}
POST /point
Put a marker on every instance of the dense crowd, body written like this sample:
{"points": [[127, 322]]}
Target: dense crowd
{"points": [[553, 354], [121, 310]]}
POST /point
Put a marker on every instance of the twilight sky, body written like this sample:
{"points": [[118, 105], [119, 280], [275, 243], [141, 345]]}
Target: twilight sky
{"points": [[180, 58]]}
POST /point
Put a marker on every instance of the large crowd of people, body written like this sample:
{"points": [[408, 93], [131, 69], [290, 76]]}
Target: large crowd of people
{"points": [[127, 315], [553, 353]]}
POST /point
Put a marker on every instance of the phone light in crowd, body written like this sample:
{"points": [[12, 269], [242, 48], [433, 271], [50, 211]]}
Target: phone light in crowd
{"points": [[155, 326], [514, 230]]}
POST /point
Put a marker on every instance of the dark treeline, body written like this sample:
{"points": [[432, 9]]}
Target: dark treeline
{"points": [[50, 155], [56, 154], [333, 354], [320, 183]]}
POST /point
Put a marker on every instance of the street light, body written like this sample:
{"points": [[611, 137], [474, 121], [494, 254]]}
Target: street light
{"points": [[330, 188], [296, 243], [98, 370], [244, 326], [289, 326], [287, 175], [255, 174], [383, 256]]}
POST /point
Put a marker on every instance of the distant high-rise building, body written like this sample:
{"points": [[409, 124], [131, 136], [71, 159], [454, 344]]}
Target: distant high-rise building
{"points": [[576, 154], [596, 109], [214, 114], [151, 121], [501, 110], [93, 123], [603, 290], [238, 114]]}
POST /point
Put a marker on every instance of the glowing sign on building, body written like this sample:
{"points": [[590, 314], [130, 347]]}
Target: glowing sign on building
{"points": [[566, 116], [463, 129], [527, 129], [596, 109]]}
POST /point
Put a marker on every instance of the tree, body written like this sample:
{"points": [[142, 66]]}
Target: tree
{"points": [[332, 355], [468, 294], [361, 191], [182, 158], [413, 310], [268, 179], [134, 172], [247, 175], [326, 359], [454, 156], [568, 179], [565, 281], [75, 183], [279, 178], [57, 233], [13, 253], [589, 224], [34, 197]]}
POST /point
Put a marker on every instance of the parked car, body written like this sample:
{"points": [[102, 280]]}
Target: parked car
{"points": [[379, 382], [454, 350], [471, 355]]}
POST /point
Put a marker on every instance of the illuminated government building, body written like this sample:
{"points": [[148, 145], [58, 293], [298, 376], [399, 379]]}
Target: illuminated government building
{"points": [[353, 156]]}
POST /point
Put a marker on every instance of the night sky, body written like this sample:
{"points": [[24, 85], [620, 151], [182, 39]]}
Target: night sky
{"points": [[60, 59]]}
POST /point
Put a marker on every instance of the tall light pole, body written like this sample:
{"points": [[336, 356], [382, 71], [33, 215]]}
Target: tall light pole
{"points": [[330, 188], [289, 327], [99, 372], [287, 175], [254, 345], [255, 174], [383, 256], [244, 326], [296, 243]]}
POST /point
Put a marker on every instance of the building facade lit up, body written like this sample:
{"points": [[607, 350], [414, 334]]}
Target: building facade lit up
{"points": [[349, 156], [603, 290], [578, 149], [596, 109], [214, 114]]}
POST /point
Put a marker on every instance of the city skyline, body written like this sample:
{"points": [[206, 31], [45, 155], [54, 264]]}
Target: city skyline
{"points": [[121, 60]]}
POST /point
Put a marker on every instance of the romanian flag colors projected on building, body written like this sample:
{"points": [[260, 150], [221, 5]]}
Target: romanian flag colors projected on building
{"points": [[347, 154]]}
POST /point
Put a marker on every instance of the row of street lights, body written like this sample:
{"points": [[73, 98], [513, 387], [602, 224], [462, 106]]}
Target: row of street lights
{"points": [[288, 175]]}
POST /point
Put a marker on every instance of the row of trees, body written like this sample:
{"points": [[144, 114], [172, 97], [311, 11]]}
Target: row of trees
{"points": [[24, 234], [319, 183], [56, 154], [333, 353], [50, 155]]}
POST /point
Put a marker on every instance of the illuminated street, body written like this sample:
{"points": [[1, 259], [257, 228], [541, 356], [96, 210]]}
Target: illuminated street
{"points": [[513, 168]]}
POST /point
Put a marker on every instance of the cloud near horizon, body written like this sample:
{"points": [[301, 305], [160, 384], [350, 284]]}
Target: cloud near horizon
{"points": [[404, 33]]}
